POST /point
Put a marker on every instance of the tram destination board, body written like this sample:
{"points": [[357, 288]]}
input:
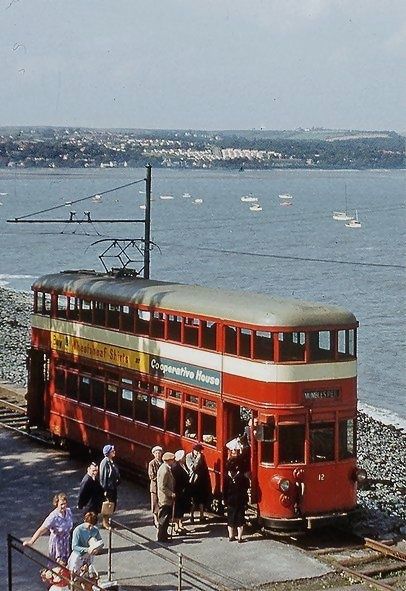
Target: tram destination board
{"points": [[319, 394]]}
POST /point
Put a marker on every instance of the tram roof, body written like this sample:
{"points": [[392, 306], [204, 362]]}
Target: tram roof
{"points": [[235, 306]]}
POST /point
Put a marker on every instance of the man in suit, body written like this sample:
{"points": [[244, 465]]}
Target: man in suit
{"points": [[166, 495], [91, 492]]}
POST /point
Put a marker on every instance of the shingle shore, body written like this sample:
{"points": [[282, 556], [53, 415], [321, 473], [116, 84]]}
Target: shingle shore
{"points": [[381, 448]]}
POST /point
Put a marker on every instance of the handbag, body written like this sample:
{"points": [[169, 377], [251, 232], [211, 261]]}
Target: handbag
{"points": [[107, 508]]}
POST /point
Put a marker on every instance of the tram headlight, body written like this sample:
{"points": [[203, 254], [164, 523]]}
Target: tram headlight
{"points": [[360, 475], [282, 484]]}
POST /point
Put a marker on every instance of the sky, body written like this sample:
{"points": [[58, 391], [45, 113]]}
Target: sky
{"points": [[204, 64]]}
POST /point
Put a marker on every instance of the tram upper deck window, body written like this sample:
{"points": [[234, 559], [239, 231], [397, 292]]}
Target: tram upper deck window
{"points": [[291, 444], [127, 319], [263, 345], [346, 344], [86, 311], [230, 339], [61, 306], [142, 320], [44, 304], [113, 316], [209, 330], [99, 313], [245, 339], [322, 442], [321, 345], [291, 346], [191, 331], [74, 308], [158, 324], [174, 328], [346, 439]]}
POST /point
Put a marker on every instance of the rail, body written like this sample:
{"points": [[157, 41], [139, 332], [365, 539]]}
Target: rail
{"points": [[369, 562]]}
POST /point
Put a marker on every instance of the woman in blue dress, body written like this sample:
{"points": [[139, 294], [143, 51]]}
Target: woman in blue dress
{"points": [[59, 524]]}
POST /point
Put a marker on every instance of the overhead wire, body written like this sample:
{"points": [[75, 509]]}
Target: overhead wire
{"points": [[21, 217]]}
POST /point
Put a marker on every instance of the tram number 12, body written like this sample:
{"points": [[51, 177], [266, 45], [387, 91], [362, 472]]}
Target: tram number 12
{"points": [[322, 476]]}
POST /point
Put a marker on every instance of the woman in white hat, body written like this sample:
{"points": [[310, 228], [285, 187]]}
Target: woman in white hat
{"points": [[153, 467]]}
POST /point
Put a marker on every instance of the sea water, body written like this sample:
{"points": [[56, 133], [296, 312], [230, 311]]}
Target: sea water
{"points": [[293, 251]]}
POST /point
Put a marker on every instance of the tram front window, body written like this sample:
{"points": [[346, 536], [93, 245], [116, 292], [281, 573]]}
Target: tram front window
{"points": [[291, 444], [322, 442], [346, 439]]}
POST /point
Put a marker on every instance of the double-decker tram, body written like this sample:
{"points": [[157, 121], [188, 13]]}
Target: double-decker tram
{"points": [[139, 362]]}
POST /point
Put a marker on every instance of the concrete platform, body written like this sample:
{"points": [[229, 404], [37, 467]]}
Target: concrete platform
{"points": [[29, 476]]}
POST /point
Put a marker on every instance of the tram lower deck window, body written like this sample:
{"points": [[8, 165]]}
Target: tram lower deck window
{"points": [[291, 444], [98, 393], [60, 380], [141, 407], [112, 398], [209, 429], [322, 442], [173, 418], [126, 403], [84, 389], [72, 386], [157, 412], [191, 423]]}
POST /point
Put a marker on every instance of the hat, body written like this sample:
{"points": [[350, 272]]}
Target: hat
{"points": [[156, 448], [179, 455], [107, 449], [198, 447], [234, 445], [168, 455]]}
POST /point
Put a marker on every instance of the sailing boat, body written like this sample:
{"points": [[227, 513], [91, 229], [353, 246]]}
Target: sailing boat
{"points": [[343, 216], [354, 222]]}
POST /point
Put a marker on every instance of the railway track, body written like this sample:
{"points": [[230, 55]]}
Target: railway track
{"points": [[13, 413], [376, 564], [13, 409]]}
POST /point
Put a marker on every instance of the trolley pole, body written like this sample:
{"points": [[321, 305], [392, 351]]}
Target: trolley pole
{"points": [[147, 232]]}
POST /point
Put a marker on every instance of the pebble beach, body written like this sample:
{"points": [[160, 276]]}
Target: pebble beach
{"points": [[381, 447]]}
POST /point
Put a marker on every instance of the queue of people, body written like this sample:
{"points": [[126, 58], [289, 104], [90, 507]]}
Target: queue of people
{"points": [[179, 484]]}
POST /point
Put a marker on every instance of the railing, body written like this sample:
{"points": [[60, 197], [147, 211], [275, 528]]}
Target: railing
{"points": [[39, 560]]}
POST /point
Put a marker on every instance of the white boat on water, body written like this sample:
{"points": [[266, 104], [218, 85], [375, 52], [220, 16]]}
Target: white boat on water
{"points": [[143, 207], [343, 216], [354, 222], [249, 198], [97, 198], [286, 196], [255, 207], [198, 201], [3, 194], [186, 195], [166, 197]]}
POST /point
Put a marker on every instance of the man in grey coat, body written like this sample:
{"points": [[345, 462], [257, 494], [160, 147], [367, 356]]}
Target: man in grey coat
{"points": [[166, 495]]}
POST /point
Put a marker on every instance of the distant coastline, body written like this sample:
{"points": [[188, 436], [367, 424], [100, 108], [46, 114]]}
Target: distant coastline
{"points": [[313, 149]]}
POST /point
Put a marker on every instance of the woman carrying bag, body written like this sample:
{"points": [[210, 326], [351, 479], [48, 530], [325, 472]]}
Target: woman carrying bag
{"points": [[109, 479]]}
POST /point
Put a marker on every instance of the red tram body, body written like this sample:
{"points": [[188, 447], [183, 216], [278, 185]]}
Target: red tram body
{"points": [[134, 361]]}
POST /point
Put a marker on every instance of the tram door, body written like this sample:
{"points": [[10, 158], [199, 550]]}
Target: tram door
{"points": [[238, 421], [37, 386]]}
